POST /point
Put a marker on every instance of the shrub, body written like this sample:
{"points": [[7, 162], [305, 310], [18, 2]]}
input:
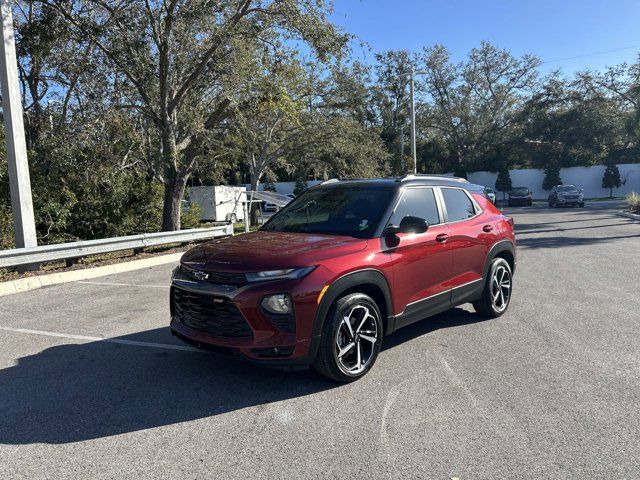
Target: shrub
{"points": [[611, 179], [551, 177], [633, 200]]}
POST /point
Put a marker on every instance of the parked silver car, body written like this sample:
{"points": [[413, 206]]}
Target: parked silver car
{"points": [[490, 194], [565, 196]]}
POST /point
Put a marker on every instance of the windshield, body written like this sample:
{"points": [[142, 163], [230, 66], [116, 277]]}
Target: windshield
{"points": [[567, 188], [520, 190], [351, 211]]}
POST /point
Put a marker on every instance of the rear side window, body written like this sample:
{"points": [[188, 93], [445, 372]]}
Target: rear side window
{"points": [[417, 202], [458, 204]]}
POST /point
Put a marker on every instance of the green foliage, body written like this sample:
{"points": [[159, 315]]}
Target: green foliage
{"points": [[191, 216], [301, 186], [633, 200], [551, 177], [611, 178], [460, 170], [503, 181]]}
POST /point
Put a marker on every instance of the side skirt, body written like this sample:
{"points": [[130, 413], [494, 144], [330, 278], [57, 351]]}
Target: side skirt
{"points": [[441, 302]]}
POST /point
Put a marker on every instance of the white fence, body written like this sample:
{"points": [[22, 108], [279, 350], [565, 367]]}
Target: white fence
{"points": [[587, 178]]}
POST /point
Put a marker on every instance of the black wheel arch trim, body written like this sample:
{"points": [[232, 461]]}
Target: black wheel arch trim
{"points": [[501, 246], [341, 285]]}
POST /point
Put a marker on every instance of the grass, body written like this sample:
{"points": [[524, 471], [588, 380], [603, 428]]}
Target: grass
{"points": [[633, 200]]}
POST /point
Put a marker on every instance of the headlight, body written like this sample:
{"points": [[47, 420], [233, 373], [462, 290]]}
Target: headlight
{"points": [[285, 274], [279, 304]]}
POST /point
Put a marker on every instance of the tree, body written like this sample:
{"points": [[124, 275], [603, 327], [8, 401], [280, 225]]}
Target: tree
{"points": [[551, 177], [183, 63], [301, 186], [611, 178], [460, 170], [503, 181], [475, 103]]}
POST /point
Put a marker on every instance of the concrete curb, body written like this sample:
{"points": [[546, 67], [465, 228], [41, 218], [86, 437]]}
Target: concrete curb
{"points": [[31, 283], [632, 216]]}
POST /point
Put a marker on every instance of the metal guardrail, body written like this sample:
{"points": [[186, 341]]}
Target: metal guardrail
{"points": [[65, 251]]}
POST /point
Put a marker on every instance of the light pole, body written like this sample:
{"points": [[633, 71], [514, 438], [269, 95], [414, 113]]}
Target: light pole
{"points": [[412, 74], [24, 228]]}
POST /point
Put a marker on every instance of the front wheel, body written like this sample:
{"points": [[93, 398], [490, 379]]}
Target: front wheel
{"points": [[497, 290], [351, 338]]}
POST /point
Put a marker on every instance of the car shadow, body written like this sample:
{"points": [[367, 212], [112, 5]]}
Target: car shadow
{"points": [[75, 392], [456, 317]]}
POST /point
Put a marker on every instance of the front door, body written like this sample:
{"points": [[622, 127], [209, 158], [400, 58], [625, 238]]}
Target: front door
{"points": [[421, 262]]}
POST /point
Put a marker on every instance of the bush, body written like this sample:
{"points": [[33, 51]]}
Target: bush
{"points": [[633, 200], [190, 217], [551, 177], [611, 179]]}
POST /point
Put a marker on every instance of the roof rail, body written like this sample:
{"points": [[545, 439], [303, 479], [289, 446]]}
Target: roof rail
{"points": [[411, 176], [331, 180]]}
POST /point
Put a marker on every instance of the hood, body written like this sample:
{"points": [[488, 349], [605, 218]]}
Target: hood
{"points": [[264, 250]]}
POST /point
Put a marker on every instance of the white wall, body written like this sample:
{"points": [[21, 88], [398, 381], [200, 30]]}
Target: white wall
{"points": [[285, 187], [587, 178]]}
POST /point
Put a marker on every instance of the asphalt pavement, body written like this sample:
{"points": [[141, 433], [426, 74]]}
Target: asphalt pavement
{"points": [[549, 390]]}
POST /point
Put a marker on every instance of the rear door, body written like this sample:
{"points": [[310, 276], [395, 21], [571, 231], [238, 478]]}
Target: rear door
{"points": [[421, 262], [471, 234]]}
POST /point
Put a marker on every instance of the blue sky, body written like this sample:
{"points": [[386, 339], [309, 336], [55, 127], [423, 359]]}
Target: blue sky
{"points": [[552, 30]]}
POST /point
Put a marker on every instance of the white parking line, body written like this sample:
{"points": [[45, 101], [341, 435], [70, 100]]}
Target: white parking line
{"points": [[124, 284], [100, 339]]}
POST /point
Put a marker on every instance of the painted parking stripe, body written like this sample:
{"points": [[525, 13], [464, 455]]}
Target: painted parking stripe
{"points": [[135, 343], [124, 284]]}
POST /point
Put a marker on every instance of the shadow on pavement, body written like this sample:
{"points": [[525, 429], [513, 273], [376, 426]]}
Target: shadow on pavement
{"points": [[69, 393], [554, 242]]}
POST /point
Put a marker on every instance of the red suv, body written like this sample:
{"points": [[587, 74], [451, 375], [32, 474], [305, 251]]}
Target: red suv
{"points": [[342, 266]]}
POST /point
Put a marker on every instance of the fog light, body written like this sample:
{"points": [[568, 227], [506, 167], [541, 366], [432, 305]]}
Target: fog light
{"points": [[279, 304]]}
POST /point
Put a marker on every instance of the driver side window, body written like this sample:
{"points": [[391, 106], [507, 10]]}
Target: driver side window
{"points": [[417, 202]]}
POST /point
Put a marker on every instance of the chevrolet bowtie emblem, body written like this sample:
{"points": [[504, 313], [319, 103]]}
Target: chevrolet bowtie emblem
{"points": [[201, 275]]}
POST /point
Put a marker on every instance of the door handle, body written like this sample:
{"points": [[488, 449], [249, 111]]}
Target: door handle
{"points": [[487, 228], [443, 237]]}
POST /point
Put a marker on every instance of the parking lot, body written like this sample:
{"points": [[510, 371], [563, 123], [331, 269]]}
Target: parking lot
{"points": [[551, 389]]}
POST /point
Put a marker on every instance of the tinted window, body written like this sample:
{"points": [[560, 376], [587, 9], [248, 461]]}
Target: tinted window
{"points": [[341, 210], [459, 205], [417, 202], [567, 188], [520, 191]]}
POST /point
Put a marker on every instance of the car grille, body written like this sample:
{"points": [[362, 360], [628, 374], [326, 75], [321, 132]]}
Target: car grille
{"points": [[222, 278], [570, 197], [206, 313]]}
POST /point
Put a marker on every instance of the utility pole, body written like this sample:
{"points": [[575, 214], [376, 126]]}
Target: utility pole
{"points": [[413, 122], [402, 149], [24, 228]]}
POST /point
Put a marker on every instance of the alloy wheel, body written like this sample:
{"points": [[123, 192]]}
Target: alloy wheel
{"points": [[356, 339], [500, 288]]}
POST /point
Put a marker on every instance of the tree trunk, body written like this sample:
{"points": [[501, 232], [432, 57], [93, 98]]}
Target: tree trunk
{"points": [[174, 181], [255, 207], [610, 192], [173, 194]]}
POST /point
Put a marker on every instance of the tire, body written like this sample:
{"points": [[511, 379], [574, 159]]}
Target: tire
{"points": [[488, 304], [550, 204], [581, 205], [359, 350]]}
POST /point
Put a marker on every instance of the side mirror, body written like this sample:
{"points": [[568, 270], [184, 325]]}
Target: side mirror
{"points": [[410, 224]]}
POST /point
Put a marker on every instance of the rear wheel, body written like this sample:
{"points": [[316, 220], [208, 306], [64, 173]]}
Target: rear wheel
{"points": [[497, 290], [351, 338]]}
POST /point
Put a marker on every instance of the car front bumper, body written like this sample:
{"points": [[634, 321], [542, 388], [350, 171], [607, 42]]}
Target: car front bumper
{"points": [[243, 329]]}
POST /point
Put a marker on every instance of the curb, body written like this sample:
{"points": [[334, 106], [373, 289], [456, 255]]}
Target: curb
{"points": [[32, 283], [632, 216]]}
